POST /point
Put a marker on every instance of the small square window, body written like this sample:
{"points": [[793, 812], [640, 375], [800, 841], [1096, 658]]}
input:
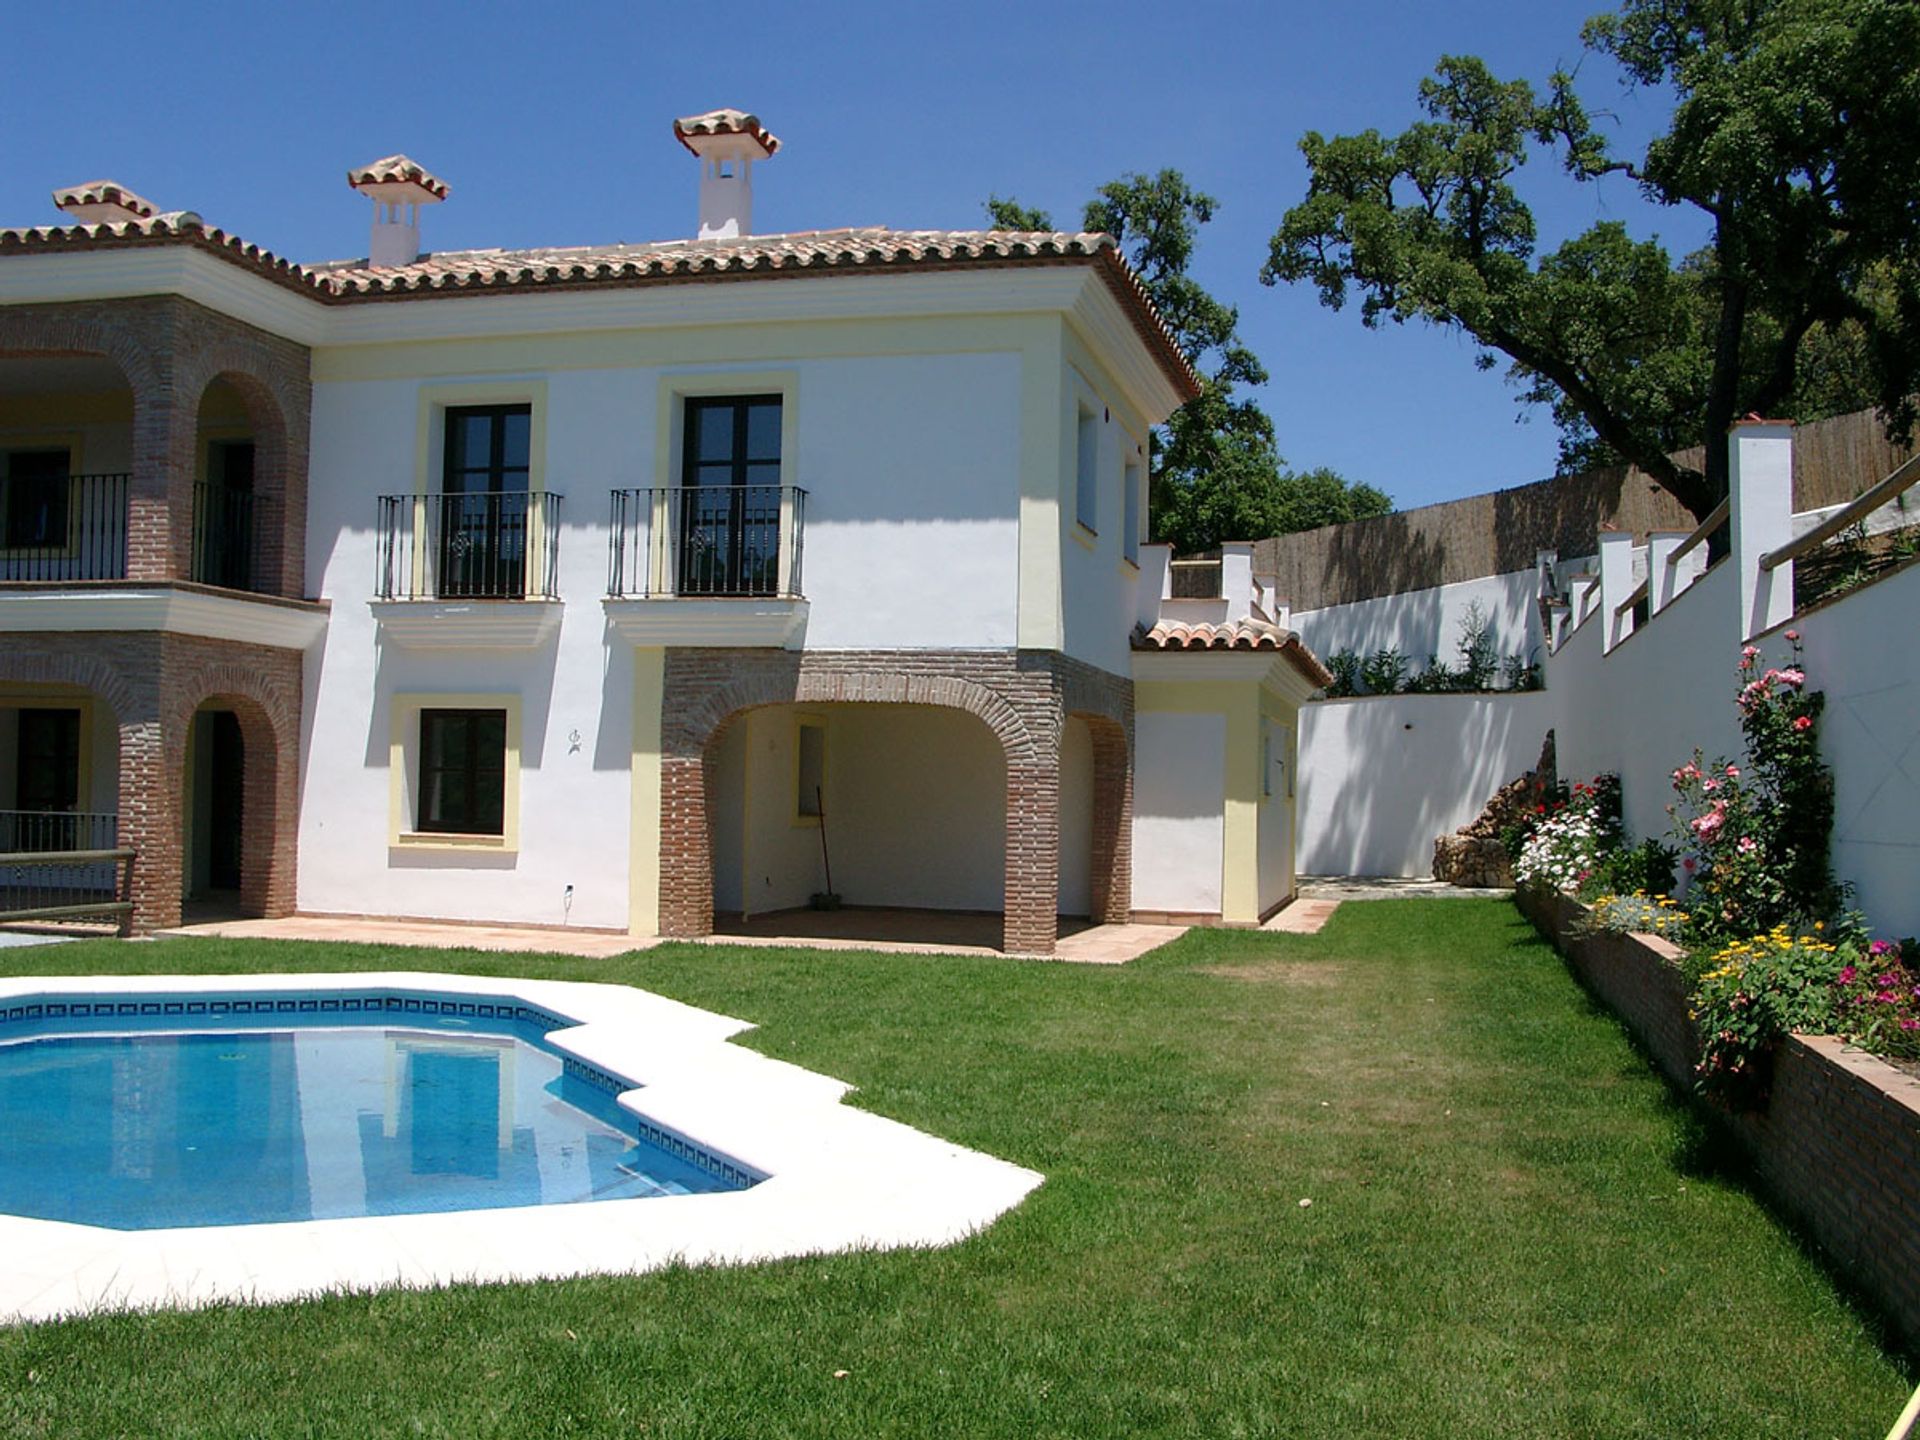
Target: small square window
{"points": [[463, 772], [1130, 523], [1087, 471], [810, 770]]}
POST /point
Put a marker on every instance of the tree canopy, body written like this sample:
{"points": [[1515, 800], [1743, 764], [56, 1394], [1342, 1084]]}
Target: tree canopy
{"points": [[1215, 472], [1795, 131]]}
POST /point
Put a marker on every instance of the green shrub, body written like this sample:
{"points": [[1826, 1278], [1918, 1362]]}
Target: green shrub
{"points": [[1751, 993]]}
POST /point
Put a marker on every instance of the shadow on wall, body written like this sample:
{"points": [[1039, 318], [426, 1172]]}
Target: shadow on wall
{"points": [[1382, 778]]}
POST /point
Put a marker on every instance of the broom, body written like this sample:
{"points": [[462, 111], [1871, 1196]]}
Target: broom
{"points": [[825, 899]]}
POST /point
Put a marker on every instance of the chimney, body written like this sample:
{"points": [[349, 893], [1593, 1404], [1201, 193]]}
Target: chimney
{"points": [[398, 188], [727, 143], [103, 202]]}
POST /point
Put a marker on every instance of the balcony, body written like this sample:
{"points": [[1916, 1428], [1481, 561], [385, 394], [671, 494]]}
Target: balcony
{"points": [[469, 570], [707, 565]]}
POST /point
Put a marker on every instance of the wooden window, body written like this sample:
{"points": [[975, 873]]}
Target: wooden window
{"points": [[35, 505], [463, 772], [47, 761]]}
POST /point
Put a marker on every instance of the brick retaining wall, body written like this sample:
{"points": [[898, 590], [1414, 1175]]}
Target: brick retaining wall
{"points": [[1838, 1146]]}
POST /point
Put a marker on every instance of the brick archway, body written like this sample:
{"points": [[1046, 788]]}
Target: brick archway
{"points": [[269, 736], [279, 492], [1021, 696]]}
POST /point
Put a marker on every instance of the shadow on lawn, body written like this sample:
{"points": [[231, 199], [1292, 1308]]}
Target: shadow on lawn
{"points": [[1707, 1150]]}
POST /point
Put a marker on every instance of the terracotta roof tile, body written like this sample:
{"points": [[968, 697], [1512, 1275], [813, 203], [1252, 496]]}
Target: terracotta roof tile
{"points": [[806, 253], [398, 170], [725, 122], [104, 192], [1236, 635]]}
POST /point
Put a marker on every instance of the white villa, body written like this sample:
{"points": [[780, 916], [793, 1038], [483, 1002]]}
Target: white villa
{"points": [[586, 586]]}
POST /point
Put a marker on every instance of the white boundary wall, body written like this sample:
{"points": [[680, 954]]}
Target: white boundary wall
{"points": [[1427, 622], [1383, 777], [1643, 708]]}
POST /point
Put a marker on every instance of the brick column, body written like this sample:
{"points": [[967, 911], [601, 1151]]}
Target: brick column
{"points": [[151, 781], [1032, 920], [686, 859], [160, 493]]}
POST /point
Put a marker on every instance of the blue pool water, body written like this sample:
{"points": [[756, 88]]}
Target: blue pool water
{"points": [[230, 1117]]}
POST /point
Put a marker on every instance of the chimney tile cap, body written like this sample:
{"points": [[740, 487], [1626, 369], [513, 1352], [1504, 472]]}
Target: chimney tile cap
{"points": [[398, 170], [105, 192], [724, 122]]}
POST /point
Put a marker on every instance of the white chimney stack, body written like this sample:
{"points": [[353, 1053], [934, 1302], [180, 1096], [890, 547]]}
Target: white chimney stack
{"points": [[398, 188], [727, 143], [103, 202]]}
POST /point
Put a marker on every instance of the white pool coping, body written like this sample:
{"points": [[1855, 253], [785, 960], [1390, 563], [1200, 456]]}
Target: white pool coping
{"points": [[838, 1178]]}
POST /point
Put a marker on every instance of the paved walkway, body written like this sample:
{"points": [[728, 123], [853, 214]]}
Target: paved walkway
{"points": [[1301, 917], [915, 932], [420, 933], [1386, 887]]}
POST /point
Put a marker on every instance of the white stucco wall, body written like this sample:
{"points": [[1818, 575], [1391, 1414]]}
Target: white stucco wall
{"points": [[1381, 778], [912, 466], [1642, 709], [1427, 622], [917, 803], [1097, 585], [1179, 801], [575, 690], [1076, 818], [1870, 734]]}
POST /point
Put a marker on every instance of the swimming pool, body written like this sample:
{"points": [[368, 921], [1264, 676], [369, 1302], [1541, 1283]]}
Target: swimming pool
{"points": [[803, 1173], [155, 1111]]}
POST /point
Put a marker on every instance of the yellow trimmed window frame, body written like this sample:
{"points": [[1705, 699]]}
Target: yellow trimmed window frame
{"points": [[429, 460], [669, 454], [403, 776]]}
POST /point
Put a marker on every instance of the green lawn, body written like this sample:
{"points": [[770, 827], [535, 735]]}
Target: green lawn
{"points": [[1515, 1229]]}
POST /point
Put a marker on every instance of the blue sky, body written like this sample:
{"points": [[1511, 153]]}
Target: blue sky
{"points": [[552, 126]]}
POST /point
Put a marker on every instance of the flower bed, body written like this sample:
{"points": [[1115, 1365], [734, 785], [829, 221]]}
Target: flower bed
{"points": [[1838, 1143]]}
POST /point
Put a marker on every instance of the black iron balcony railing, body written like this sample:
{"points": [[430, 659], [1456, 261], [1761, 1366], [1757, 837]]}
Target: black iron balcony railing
{"points": [[711, 540], [63, 527], [489, 545], [224, 534]]}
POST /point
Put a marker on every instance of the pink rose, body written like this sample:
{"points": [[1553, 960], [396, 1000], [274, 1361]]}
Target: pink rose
{"points": [[1733, 772], [1803, 722], [1793, 637]]}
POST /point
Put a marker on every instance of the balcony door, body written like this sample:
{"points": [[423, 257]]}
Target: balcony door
{"points": [[223, 538], [729, 532], [483, 507]]}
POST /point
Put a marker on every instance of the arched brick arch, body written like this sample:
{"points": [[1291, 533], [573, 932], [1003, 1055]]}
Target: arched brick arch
{"points": [[1017, 701], [78, 330], [279, 518], [269, 737], [128, 702]]}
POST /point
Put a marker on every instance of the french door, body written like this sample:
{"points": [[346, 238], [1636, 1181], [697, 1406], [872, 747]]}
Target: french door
{"points": [[483, 504], [729, 531]]}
